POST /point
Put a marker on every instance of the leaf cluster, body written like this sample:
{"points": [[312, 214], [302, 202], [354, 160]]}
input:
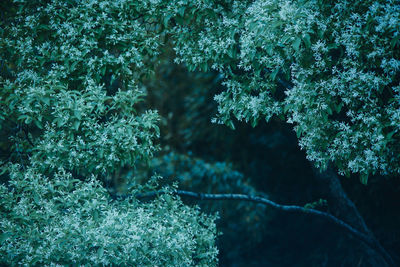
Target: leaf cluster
{"points": [[330, 69]]}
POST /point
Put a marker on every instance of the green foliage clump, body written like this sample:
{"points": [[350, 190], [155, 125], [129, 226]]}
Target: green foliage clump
{"points": [[320, 203], [71, 121], [61, 220], [199, 175], [240, 222], [331, 69], [71, 84]]}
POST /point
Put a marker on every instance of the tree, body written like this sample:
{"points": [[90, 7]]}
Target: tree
{"points": [[70, 87], [331, 69], [72, 73]]}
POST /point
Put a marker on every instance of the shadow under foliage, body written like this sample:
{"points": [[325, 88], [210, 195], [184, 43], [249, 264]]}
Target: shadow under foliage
{"points": [[206, 157]]}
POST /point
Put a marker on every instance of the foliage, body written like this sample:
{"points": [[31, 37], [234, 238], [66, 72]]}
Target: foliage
{"points": [[70, 122], [240, 222], [192, 172], [330, 69], [63, 220], [71, 85]]}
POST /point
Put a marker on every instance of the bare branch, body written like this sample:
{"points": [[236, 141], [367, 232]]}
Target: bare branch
{"points": [[370, 241]]}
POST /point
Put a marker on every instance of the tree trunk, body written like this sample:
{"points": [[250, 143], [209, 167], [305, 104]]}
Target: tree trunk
{"points": [[342, 207]]}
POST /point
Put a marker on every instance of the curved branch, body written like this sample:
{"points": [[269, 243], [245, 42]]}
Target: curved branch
{"points": [[371, 242]]}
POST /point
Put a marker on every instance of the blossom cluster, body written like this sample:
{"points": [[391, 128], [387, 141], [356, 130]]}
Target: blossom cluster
{"points": [[71, 120], [331, 69], [60, 220]]}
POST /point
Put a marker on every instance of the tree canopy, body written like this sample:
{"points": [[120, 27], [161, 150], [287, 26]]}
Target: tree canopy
{"points": [[331, 69], [74, 125], [69, 95]]}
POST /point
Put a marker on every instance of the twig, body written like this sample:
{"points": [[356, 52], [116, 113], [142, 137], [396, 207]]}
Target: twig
{"points": [[371, 242]]}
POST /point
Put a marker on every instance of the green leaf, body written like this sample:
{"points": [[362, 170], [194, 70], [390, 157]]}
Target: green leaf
{"points": [[364, 178], [60, 122], [254, 123], [333, 46], [100, 252], [23, 117], [232, 52], [38, 124], [73, 65], [78, 114], [307, 40], [166, 19], [96, 215], [286, 108], [395, 41], [4, 236], [277, 23], [274, 73], [46, 100], [320, 33], [181, 11], [270, 50], [103, 70], [168, 199], [28, 120], [298, 132], [230, 124], [338, 108], [204, 66], [191, 67], [36, 199], [389, 135], [296, 44], [76, 125]]}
